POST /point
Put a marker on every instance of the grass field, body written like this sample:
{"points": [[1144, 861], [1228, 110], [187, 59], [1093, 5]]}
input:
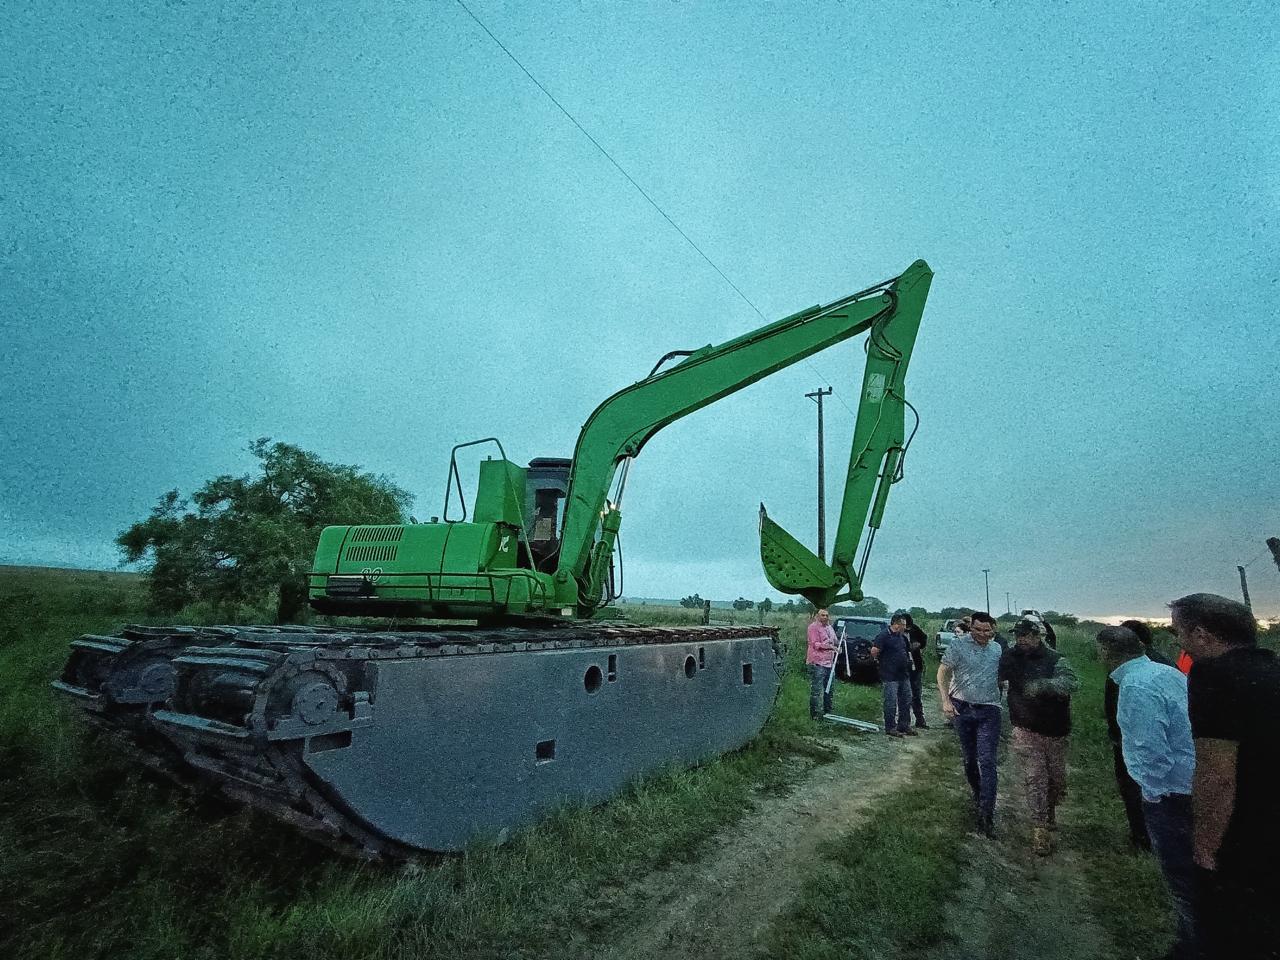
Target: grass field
{"points": [[100, 860]]}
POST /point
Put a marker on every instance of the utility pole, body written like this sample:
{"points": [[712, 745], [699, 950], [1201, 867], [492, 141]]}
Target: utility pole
{"points": [[1008, 607], [817, 396], [1244, 587], [987, 581]]}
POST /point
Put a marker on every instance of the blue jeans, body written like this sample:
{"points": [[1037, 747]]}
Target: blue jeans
{"points": [[897, 704], [978, 727], [818, 692], [1169, 827]]}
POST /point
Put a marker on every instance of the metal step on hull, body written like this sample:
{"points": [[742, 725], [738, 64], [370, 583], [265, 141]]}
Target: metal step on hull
{"points": [[385, 744]]}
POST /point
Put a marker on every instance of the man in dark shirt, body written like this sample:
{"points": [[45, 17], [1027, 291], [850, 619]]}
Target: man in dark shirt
{"points": [[917, 640], [1130, 792], [890, 649], [1040, 686], [1233, 694]]}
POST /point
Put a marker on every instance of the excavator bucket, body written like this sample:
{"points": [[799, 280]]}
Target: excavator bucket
{"points": [[790, 566]]}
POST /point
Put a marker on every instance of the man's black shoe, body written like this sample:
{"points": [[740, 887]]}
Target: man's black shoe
{"points": [[922, 725], [986, 827]]}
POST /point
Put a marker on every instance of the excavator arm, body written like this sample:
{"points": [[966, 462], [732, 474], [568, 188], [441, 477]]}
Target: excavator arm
{"points": [[875, 462], [620, 427]]}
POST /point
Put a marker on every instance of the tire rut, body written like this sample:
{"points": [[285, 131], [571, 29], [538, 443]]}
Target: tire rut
{"points": [[722, 905]]}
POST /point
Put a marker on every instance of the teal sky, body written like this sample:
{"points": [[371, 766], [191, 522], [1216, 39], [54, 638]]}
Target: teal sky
{"points": [[363, 230]]}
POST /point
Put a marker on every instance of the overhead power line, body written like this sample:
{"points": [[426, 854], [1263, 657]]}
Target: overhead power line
{"points": [[1257, 558], [609, 157], [641, 190]]}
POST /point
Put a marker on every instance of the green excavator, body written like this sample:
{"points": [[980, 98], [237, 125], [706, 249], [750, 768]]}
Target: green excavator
{"points": [[389, 740]]}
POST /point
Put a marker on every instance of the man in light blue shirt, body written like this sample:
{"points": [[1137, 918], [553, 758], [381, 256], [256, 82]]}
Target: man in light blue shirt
{"points": [[1155, 734]]}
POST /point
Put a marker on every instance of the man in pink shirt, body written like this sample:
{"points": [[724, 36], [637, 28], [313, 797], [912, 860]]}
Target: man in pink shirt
{"points": [[820, 656]]}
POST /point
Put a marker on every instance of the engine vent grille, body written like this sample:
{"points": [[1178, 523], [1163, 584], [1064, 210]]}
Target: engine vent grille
{"points": [[377, 553], [378, 534]]}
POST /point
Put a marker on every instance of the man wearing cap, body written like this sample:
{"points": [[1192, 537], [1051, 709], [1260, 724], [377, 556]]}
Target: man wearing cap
{"points": [[1040, 684], [969, 686], [1050, 637]]}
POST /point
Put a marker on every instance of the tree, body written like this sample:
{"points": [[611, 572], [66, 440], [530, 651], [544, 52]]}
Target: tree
{"points": [[693, 603], [870, 607], [918, 614], [765, 605], [742, 603], [252, 537]]}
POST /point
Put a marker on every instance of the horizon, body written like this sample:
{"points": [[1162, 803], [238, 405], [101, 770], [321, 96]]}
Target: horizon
{"points": [[1109, 619]]}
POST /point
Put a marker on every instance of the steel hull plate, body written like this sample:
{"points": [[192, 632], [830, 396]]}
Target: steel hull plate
{"points": [[382, 743], [464, 748]]}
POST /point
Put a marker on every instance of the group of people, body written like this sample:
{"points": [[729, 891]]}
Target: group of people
{"points": [[1197, 748], [974, 673], [1197, 751], [899, 651], [1203, 751]]}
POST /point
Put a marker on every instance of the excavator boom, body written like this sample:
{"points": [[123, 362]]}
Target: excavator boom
{"points": [[620, 427]]}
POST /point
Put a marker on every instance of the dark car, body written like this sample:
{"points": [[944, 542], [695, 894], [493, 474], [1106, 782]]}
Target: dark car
{"points": [[853, 659]]}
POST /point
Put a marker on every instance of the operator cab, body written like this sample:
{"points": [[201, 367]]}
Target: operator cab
{"points": [[546, 486]]}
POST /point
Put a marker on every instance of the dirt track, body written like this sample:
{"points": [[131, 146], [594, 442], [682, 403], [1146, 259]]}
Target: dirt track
{"points": [[1014, 905], [1011, 904], [722, 905]]}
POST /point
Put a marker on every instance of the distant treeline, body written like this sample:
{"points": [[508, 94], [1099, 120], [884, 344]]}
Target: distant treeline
{"points": [[869, 607]]}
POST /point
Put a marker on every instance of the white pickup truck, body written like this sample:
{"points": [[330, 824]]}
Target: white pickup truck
{"points": [[944, 635]]}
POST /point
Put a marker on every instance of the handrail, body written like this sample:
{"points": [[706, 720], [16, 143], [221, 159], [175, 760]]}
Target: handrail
{"points": [[453, 473], [435, 582]]}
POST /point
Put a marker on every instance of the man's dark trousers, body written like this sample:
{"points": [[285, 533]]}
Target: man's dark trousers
{"points": [[978, 727], [917, 702], [1131, 795], [1169, 827], [1237, 917], [897, 698]]}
